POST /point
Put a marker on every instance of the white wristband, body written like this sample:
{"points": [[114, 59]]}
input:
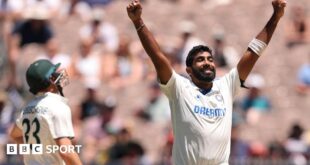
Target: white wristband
{"points": [[257, 46]]}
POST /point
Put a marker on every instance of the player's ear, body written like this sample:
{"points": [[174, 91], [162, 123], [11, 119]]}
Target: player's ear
{"points": [[189, 71]]}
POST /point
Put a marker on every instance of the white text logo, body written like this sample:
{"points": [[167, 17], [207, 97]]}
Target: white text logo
{"points": [[36, 149]]}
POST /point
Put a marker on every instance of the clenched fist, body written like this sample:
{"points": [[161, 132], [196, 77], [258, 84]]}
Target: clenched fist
{"points": [[278, 7], [134, 10]]}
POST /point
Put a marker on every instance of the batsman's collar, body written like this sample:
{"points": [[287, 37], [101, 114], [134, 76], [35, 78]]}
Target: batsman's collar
{"points": [[50, 94]]}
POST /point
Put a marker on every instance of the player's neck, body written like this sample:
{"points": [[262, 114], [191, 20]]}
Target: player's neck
{"points": [[51, 89], [203, 85]]}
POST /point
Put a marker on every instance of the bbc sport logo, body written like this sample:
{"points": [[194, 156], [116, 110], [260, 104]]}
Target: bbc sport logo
{"points": [[37, 149]]}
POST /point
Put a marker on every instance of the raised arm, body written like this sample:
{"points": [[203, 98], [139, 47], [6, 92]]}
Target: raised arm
{"points": [[257, 45], [161, 63]]}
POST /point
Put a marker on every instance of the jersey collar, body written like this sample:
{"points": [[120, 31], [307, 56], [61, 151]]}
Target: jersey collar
{"points": [[206, 91], [50, 94]]}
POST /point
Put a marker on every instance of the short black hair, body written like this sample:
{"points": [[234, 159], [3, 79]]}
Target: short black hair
{"points": [[195, 51]]}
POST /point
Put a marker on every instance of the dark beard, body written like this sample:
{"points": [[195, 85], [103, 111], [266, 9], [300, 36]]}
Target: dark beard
{"points": [[204, 77]]}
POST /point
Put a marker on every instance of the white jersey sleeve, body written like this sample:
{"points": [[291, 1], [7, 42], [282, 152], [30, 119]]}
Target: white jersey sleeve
{"points": [[233, 81], [173, 85], [62, 122]]}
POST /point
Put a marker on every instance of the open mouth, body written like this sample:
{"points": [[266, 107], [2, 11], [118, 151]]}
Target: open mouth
{"points": [[207, 71]]}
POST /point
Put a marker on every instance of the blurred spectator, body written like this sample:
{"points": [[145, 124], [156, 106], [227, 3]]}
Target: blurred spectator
{"points": [[166, 154], [86, 57], [75, 8], [3, 5], [158, 109], [212, 4], [145, 65], [303, 85], [277, 151], [126, 151], [4, 8], [258, 150], [240, 149], [51, 6], [98, 2], [225, 56], [90, 106], [295, 145], [118, 149], [255, 103], [127, 67], [173, 1], [109, 122], [188, 41], [100, 31], [34, 29], [3, 15], [6, 119], [101, 120], [16, 8], [52, 53], [297, 28], [172, 54], [306, 137], [97, 131]]}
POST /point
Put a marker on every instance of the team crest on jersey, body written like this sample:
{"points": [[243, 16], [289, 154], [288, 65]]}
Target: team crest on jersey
{"points": [[219, 97]]}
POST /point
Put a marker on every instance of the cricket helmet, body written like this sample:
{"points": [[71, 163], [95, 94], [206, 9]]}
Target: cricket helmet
{"points": [[38, 75]]}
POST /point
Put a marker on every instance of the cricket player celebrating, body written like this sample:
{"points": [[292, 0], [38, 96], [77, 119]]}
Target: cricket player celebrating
{"points": [[46, 119], [201, 107]]}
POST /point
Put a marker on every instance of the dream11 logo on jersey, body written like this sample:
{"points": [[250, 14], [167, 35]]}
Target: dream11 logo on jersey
{"points": [[36, 149]]}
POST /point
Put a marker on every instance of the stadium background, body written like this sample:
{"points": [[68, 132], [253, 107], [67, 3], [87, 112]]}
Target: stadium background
{"points": [[126, 122]]}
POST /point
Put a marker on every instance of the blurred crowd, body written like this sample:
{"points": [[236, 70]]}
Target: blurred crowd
{"points": [[120, 116]]}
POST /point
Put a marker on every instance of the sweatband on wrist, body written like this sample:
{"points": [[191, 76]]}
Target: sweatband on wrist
{"points": [[257, 46]]}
